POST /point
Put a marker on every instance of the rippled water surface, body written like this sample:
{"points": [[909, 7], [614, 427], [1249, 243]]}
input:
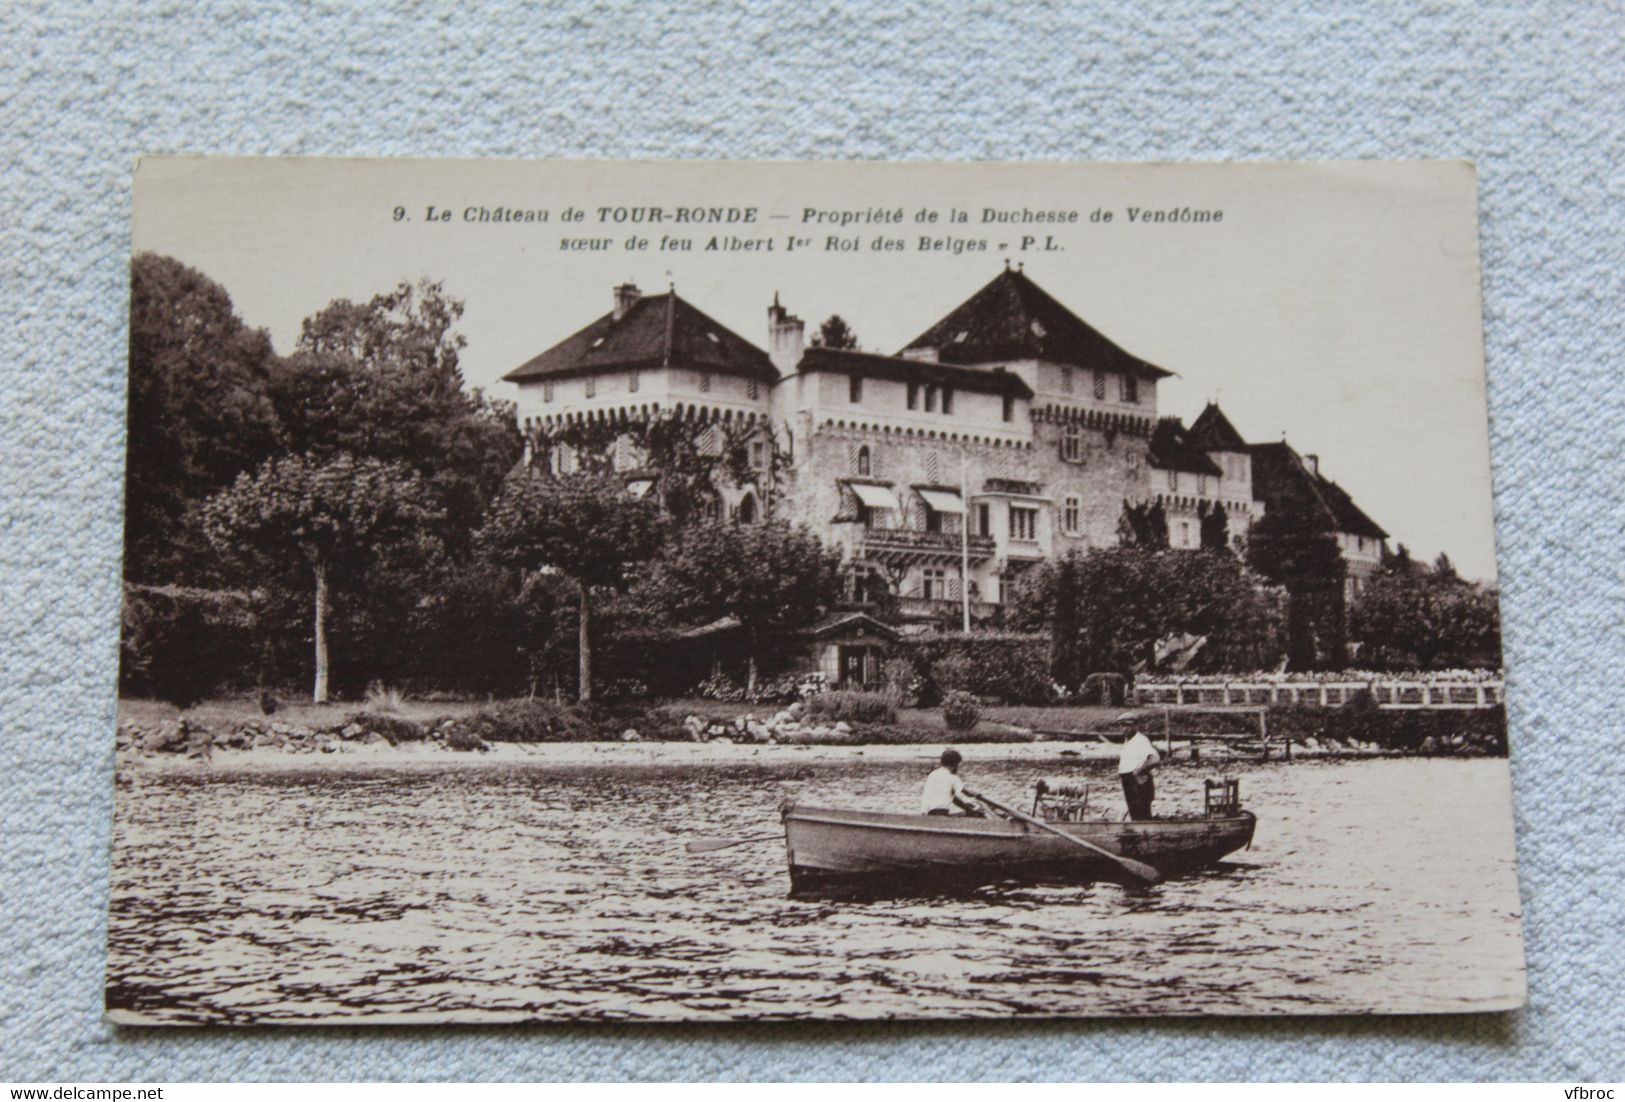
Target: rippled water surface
{"points": [[533, 892]]}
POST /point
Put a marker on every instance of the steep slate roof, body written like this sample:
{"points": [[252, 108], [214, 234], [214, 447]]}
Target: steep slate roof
{"points": [[1171, 449], [869, 365], [1013, 318], [1212, 431], [1286, 485], [656, 331]]}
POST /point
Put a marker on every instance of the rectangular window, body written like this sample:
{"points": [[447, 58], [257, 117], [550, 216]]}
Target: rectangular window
{"points": [[984, 519], [1072, 444], [758, 454], [1173, 481], [913, 395], [590, 386], [934, 583], [1072, 515], [547, 392], [754, 389], [1023, 523], [930, 398], [1066, 380], [1009, 408], [632, 383], [705, 382], [1201, 484], [1100, 384], [947, 399], [854, 389], [1129, 386]]}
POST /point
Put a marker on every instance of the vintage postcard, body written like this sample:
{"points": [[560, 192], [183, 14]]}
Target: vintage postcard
{"points": [[701, 591]]}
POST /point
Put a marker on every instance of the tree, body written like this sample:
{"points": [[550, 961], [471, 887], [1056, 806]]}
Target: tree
{"points": [[199, 414], [582, 525], [835, 333], [1426, 619], [1308, 563], [330, 516], [1144, 526], [1108, 608], [1215, 527], [771, 577], [382, 379]]}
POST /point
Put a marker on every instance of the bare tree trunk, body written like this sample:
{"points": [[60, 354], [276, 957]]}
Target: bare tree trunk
{"points": [[750, 670], [584, 646], [320, 693]]}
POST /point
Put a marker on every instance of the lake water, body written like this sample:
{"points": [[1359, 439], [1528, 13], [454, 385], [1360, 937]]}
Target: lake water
{"points": [[532, 892]]}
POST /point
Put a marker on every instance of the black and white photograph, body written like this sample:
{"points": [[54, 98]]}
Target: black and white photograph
{"points": [[696, 591]]}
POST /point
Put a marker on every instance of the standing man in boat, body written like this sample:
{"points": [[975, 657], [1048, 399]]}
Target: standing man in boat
{"points": [[1134, 766], [944, 791]]}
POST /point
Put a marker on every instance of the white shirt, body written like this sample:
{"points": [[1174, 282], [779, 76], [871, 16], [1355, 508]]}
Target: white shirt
{"points": [[941, 787], [1136, 752]]}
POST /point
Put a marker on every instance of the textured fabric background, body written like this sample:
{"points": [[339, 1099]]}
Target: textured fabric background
{"points": [[1532, 92]]}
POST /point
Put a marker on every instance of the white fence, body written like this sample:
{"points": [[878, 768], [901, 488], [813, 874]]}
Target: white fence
{"points": [[1388, 693]]}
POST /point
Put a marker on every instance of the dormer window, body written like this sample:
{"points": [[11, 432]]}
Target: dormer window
{"points": [[712, 337], [597, 342], [960, 338]]}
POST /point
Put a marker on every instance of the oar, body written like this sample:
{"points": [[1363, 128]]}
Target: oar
{"points": [[1143, 871], [707, 845]]}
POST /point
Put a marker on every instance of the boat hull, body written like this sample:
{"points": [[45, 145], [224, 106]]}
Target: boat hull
{"points": [[831, 846]]}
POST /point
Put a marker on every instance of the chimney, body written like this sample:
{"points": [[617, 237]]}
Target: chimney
{"points": [[625, 296], [1313, 463], [785, 333]]}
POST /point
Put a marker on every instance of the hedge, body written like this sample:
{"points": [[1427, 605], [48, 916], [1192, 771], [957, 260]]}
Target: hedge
{"points": [[1004, 667]]}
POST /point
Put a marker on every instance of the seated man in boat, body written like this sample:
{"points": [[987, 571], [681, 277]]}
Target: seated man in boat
{"points": [[1134, 766], [944, 792]]}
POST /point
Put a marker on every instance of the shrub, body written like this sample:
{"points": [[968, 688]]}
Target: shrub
{"points": [[393, 728], [853, 707], [903, 681], [382, 698], [530, 721], [1105, 689], [180, 644], [461, 738], [960, 711]]}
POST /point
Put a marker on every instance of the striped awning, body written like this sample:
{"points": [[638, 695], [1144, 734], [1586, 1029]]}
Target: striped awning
{"points": [[875, 497], [943, 501]]}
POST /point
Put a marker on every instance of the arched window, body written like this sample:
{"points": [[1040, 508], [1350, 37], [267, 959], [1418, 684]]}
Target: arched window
{"points": [[864, 465], [747, 509]]}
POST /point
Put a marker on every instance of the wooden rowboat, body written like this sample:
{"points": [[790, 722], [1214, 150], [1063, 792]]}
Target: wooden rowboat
{"points": [[828, 847]]}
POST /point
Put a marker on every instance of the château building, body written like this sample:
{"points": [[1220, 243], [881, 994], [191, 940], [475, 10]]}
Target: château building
{"points": [[1007, 432]]}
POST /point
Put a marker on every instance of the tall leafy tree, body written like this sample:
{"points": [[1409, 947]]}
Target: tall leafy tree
{"points": [[1109, 607], [835, 333], [200, 413], [323, 518], [771, 577], [1308, 563], [584, 526], [382, 379], [1426, 619]]}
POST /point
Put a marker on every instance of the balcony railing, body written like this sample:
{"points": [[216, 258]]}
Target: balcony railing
{"points": [[915, 541], [941, 607]]}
